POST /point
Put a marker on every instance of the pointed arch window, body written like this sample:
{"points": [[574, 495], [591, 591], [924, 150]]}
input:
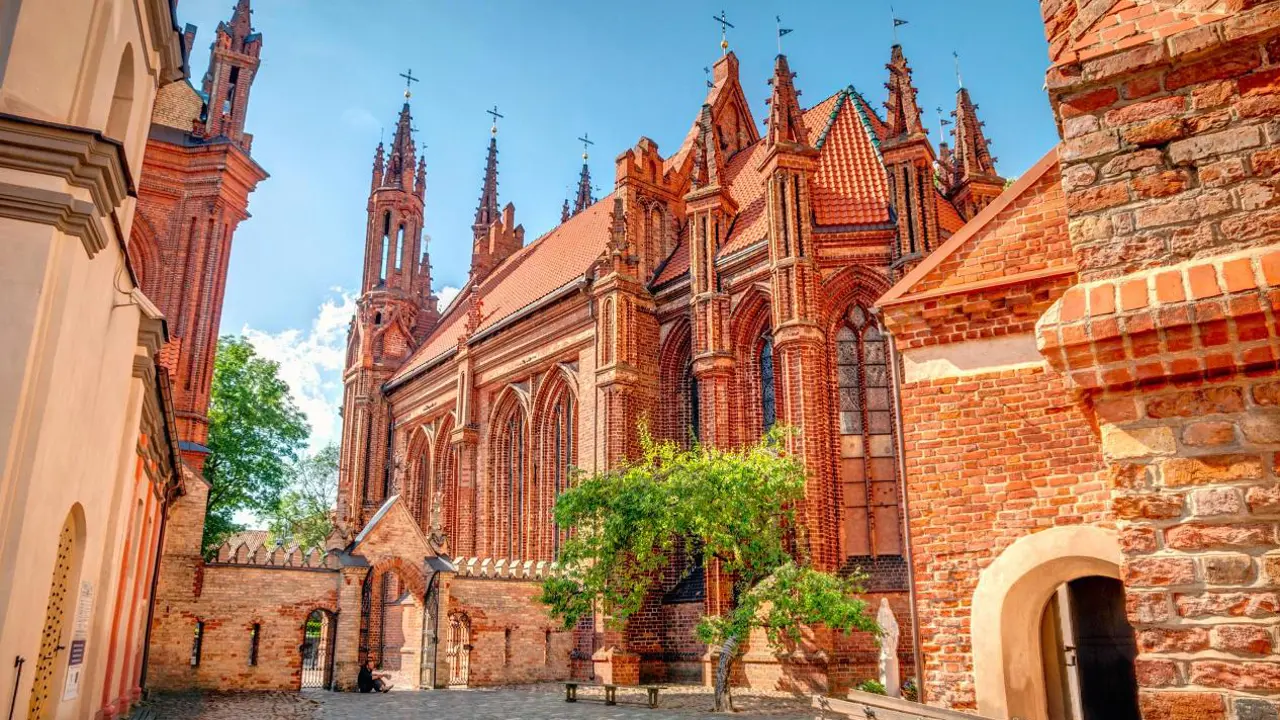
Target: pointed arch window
{"points": [[385, 250], [555, 428], [695, 414], [513, 481], [868, 448], [399, 247], [768, 404]]}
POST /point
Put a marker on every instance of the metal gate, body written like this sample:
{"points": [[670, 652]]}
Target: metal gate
{"points": [[317, 650], [459, 649], [42, 696]]}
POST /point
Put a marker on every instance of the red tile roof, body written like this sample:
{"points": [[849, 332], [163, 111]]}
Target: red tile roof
{"points": [[538, 269], [948, 217], [850, 187]]}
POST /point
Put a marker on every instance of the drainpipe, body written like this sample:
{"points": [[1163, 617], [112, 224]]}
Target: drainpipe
{"points": [[895, 363]]}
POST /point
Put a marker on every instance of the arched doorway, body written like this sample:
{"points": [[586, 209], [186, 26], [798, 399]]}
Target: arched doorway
{"points": [[458, 651], [53, 650], [317, 649], [1088, 649], [392, 616], [1018, 610]]}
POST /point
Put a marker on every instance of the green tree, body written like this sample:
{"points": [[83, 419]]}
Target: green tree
{"points": [[304, 513], [255, 433], [735, 507]]}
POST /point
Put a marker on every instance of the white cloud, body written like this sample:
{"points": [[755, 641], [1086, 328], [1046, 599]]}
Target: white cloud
{"points": [[311, 363], [446, 295]]}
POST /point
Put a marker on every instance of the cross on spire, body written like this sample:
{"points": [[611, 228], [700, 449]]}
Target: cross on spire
{"points": [[408, 80], [959, 77], [494, 112], [585, 142], [724, 31]]}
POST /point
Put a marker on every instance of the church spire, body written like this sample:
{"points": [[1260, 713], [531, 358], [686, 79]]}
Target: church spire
{"points": [[785, 125], [403, 155], [972, 152], [904, 111], [974, 180], [487, 208], [584, 199]]}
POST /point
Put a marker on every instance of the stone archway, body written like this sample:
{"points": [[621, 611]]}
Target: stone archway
{"points": [[1007, 609]]}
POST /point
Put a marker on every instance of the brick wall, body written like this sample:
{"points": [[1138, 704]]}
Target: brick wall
{"points": [[231, 601], [513, 638], [1168, 113], [990, 458]]}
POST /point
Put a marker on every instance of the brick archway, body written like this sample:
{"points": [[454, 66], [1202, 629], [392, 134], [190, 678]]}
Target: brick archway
{"points": [[373, 602]]}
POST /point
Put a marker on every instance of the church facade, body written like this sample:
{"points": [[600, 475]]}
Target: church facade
{"points": [[1039, 415], [734, 279]]}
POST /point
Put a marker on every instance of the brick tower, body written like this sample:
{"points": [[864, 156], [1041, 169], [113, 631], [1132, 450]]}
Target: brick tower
{"points": [[909, 160], [193, 194], [799, 341], [395, 312], [232, 65]]}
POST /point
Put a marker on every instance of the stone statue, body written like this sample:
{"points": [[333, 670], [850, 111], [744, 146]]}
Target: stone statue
{"points": [[888, 649], [439, 541]]}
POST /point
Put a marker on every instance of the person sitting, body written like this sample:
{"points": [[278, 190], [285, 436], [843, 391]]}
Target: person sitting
{"points": [[367, 681]]}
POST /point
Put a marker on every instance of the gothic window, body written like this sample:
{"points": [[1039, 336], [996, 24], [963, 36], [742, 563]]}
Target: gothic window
{"points": [[512, 477], [564, 417], [768, 406], [868, 466], [399, 247], [386, 247], [695, 414], [606, 333]]}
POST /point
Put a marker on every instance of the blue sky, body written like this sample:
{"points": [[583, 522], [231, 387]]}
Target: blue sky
{"points": [[329, 84]]}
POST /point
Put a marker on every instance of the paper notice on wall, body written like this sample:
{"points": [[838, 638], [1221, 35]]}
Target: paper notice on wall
{"points": [[79, 634]]}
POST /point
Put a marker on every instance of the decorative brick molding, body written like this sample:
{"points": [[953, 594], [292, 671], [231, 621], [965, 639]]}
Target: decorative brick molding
{"points": [[1199, 317], [503, 569], [280, 556]]}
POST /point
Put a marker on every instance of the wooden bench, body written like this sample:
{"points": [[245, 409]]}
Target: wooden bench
{"points": [[611, 694]]}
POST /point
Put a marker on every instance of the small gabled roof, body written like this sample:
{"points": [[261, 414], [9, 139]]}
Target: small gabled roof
{"points": [[972, 230]]}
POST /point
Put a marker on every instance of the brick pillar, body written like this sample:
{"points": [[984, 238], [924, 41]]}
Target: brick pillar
{"points": [[1168, 113], [346, 649]]}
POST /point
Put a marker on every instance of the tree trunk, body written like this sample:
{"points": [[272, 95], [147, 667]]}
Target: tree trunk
{"points": [[724, 701]]}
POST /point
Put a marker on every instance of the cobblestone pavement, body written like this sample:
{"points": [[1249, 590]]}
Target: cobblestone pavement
{"points": [[545, 702]]}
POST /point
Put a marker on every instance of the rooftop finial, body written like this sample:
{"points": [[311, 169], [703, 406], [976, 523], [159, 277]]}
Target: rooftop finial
{"points": [[897, 23], [943, 122], [724, 31], [585, 142], [781, 31], [959, 77], [493, 130], [408, 78]]}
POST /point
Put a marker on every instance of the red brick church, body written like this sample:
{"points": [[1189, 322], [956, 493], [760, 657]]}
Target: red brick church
{"points": [[1036, 414]]}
